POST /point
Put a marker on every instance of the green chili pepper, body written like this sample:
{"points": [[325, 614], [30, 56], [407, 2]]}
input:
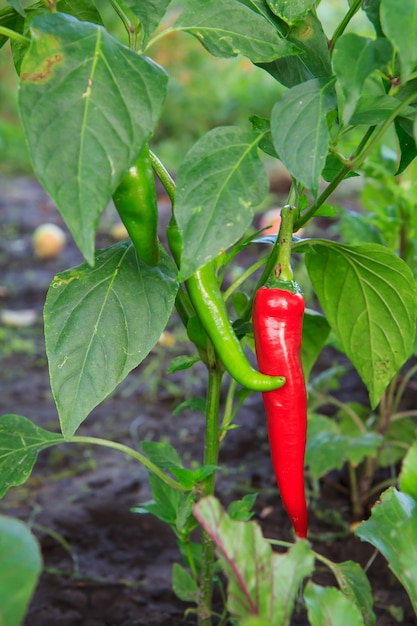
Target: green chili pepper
{"points": [[210, 307], [135, 200], [206, 298]]}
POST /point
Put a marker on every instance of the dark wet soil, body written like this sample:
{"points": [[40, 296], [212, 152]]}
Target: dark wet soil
{"points": [[104, 565]]}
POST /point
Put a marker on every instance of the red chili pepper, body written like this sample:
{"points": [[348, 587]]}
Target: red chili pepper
{"points": [[277, 324]]}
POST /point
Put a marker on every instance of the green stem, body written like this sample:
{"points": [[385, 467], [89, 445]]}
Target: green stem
{"points": [[12, 34], [228, 413], [403, 414], [358, 160], [211, 453], [284, 270], [401, 387], [354, 8], [163, 175], [129, 452], [272, 260], [245, 275], [335, 182], [354, 492], [125, 21]]}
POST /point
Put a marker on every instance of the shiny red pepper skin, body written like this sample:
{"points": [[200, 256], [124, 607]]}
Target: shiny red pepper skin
{"points": [[277, 325]]}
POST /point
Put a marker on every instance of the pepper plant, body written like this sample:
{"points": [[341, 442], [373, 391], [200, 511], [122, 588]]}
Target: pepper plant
{"points": [[90, 104]]}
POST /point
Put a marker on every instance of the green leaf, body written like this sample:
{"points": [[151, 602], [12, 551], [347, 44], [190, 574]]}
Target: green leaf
{"points": [[315, 333], [184, 585], [291, 12], [327, 605], [241, 510], [88, 105], [219, 182], [150, 13], [163, 455], [354, 59], [9, 18], [392, 528], [356, 227], [408, 475], [180, 363], [261, 583], [100, 324], [355, 585], [20, 443], [400, 27], [170, 506], [369, 297], [83, 10], [18, 6], [398, 437], [376, 108], [328, 448], [314, 59], [299, 130], [227, 28], [371, 8], [20, 568], [190, 478], [407, 143]]}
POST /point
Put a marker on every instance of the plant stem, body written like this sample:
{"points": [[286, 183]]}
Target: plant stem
{"points": [[129, 452], [125, 21], [211, 453], [283, 269], [12, 34], [354, 493], [163, 175], [363, 150], [253, 268], [354, 8]]}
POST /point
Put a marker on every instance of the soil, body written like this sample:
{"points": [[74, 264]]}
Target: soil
{"points": [[103, 564]]}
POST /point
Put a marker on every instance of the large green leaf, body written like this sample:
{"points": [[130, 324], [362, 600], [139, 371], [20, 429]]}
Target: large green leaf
{"points": [[300, 132], [20, 443], [20, 567], [227, 28], [327, 605], [312, 62], [291, 12], [369, 297], [101, 323], [261, 583], [150, 13], [88, 105], [399, 23], [219, 182], [354, 59], [392, 528]]}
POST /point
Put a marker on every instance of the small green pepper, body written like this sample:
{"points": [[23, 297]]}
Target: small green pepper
{"points": [[210, 307], [136, 202]]}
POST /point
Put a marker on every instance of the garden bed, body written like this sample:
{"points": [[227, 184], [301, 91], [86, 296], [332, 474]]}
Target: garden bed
{"points": [[103, 564]]}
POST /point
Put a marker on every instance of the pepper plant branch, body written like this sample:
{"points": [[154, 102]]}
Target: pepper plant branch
{"points": [[362, 152], [12, 34], [354, 8], [211, 454], [129, 452], [125, 20], [244, 276]]}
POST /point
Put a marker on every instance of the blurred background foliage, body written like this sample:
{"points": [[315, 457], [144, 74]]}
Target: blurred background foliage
{"points": [[203, 91]]}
